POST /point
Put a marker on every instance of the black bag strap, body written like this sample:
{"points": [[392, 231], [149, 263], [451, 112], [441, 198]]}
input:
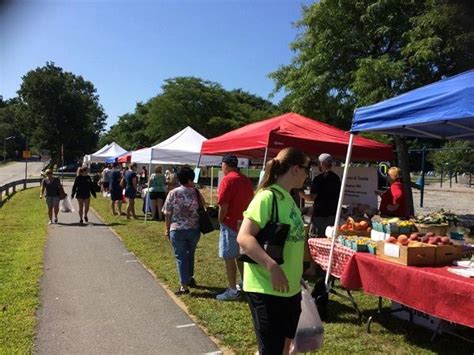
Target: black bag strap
{"points": [[201, 207], [274, 216]]}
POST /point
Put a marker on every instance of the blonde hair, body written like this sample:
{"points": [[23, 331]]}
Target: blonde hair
{"points": [[395, 173], [280, 165]]}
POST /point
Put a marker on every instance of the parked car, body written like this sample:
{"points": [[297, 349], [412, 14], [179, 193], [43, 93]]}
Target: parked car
{"points": [[69, 168]]}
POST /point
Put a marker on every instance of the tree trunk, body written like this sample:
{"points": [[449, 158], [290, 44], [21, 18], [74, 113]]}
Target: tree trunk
{"points": [[402, 157]]}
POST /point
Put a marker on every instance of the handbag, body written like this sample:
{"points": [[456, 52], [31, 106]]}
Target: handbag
{"points": [[62, 194], [272, 237], [205, 223]]}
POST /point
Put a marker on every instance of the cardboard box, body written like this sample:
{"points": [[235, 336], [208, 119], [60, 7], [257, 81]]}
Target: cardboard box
{"points": [[411, 256], [446, 254]]}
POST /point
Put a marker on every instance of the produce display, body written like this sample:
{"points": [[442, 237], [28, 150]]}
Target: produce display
{"points": [[417, 239], [352, 225], [438, 217], [392, 225], [357, 243]]}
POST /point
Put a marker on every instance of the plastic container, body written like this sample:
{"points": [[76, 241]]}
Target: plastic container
{"points": [[457, 235]]}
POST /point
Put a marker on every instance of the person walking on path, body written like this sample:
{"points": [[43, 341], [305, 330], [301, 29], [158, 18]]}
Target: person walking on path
{"points": [[52, 185], [233, 197], [82, 189], [157, 191], [273, 290], [325, 193], [116, 189], [131, 185], [182, 226], [105, 177]]}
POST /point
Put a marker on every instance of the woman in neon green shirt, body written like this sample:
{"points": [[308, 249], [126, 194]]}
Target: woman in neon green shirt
{"points": [[274, 290]]}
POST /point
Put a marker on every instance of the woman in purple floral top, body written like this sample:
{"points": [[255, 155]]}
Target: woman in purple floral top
{"points": [[182, 226]]}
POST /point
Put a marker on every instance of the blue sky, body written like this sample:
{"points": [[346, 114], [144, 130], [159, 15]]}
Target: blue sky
{"points": [[128, 48]]}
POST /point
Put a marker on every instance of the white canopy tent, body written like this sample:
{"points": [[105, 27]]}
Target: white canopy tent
{"points": [[111, 150], [87, 157], [181, 149]]}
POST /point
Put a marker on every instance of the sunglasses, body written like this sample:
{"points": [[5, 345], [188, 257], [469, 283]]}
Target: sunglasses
{"points": [[307, 168]]}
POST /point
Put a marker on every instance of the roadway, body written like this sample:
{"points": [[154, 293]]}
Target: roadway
{"points": [[16, 171]]}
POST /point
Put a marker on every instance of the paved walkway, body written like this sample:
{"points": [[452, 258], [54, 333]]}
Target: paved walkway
{"points": [[97, 299]]}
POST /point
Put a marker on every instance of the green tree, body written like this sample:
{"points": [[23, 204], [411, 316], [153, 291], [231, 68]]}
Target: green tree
{"points": [[355, 53], [130, 130], [454, 157], [9, 128], [59, 108], [188, 101]]}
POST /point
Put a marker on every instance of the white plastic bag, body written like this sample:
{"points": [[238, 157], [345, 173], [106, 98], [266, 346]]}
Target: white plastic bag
{"points": [[310, 332], [66, 205]]}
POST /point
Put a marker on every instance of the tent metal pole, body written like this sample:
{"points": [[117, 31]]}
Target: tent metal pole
{"points": [[422, 187], [212, 182], [199, 161], [339, 210], [265, 158], [147, 196]]}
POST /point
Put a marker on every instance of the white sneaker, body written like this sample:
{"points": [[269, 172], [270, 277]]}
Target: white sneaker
{"points": [[50, 222], [239, 286], [228, 295]]}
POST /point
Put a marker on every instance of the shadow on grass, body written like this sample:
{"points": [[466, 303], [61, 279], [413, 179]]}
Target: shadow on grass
{"points": [[413, 334], [420, 336]]}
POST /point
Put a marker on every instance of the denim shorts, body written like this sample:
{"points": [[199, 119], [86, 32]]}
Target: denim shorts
{"points": [[52, 201], [228, 246]]}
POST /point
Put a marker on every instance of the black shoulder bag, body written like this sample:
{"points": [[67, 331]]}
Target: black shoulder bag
{"points": [[205, 223], [272, 237]]}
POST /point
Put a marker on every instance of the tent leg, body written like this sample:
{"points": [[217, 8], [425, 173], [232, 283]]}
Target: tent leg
{"points": [[339, 210], [212, 182], [422, 189], [199, 161], [147, 197]]}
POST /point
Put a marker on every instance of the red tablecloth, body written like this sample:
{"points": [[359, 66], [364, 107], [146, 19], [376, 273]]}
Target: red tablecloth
{"points": [[320, 248], [430, 290]]}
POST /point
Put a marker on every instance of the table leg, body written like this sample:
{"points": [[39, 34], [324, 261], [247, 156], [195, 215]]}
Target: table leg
{"points": [[380, 312], [349, 297]]}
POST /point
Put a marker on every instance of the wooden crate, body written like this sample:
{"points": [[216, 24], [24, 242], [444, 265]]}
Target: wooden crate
{"points": [[437, 229], [410, 256], [446, 254]]}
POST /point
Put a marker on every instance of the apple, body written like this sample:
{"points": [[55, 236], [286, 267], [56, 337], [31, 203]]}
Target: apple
{"points": [[424, 239], [445, 240], [402, 239], [392, 240], [429, 234], [414, 236]]}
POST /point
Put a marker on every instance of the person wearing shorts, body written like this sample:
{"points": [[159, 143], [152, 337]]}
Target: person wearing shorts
{"points": [[52, 185], [273, 290], [156, 189], [234, 195], [116, 189]]}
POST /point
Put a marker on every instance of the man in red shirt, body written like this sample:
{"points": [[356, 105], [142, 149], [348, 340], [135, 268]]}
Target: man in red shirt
{"points": [[234, 195]]}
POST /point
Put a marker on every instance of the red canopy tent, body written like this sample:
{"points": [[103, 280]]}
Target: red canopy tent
{"points": [[294, 130], [125, 158]]}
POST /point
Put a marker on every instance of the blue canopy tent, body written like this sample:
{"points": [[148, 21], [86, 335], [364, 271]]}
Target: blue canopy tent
{"points": [[444, 110]]}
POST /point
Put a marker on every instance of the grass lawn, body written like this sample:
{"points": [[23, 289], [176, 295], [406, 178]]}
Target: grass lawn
{"points": [[230, 322], [22, 240]]}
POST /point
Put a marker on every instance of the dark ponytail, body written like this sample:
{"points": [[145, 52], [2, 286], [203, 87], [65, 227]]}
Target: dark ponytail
{"points": [[279, 165]]}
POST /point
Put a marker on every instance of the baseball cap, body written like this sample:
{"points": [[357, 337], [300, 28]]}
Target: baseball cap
{"points": [[325, 158], [230, 160]]}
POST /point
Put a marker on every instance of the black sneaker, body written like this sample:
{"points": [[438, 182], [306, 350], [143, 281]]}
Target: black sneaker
{"points": [[192, 282], [80, 221], [181, 291], [86, 219], [55, 220]]}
